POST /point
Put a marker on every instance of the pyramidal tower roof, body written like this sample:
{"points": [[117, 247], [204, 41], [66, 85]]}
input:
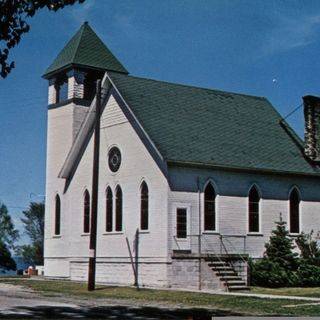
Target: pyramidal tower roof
{"points": [[85, 49]]}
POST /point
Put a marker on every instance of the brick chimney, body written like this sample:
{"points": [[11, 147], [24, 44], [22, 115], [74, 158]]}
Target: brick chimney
{"points": [[312, 127]]}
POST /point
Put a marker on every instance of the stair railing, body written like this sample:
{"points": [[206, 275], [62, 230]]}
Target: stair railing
{"points": [[245, 261], [216, 256], [222, 245], [207, 254]]}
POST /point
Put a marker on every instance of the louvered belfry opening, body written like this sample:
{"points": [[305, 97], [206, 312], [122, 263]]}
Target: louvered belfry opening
{"points": [[312, 127]]}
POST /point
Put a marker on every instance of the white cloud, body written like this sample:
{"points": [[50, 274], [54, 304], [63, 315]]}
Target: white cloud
{"points": [[290, 33]]}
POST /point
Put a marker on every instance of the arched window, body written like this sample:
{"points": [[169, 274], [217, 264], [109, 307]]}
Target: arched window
{"points": [[294, 211], [118, 209], [109, 206], [209, 208], [57, 217], [144, 207], [86, 212], [254, 207]]}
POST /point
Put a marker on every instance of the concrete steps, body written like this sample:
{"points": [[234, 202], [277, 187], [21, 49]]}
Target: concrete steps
{"points": [[227, 275]]}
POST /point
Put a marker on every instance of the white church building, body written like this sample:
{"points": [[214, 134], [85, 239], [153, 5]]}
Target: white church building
{"points": [[191, 180]]}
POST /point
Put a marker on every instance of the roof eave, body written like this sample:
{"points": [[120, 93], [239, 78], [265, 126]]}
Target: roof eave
{"points": [[239, 169], [47, 75]]}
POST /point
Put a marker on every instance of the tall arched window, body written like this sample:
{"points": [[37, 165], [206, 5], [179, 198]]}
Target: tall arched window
{"points": [[254, 207], [144, 207], [57, 218], [118, 209], [294, 211], [86, 212], [109, 205], [209, 208]]}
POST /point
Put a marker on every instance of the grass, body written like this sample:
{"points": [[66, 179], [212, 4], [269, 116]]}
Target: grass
{"points": [[239, 305], [299, 292]]}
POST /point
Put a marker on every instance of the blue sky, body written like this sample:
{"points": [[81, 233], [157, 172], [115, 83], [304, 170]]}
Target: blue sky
{"points": [[265, 48]]}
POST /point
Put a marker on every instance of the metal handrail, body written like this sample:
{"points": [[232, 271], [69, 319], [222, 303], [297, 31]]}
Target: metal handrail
{"points": [[227, 253], [218, 257], [240, 255], [207, 255]]}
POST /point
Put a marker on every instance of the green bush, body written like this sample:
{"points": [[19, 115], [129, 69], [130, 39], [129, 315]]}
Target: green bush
{"points": [[308, 274], [309, 250], [266, 273], [281, 266]]}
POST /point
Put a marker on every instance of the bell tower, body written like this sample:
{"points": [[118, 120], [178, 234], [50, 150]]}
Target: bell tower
{"points": [[73, 74], [72, 83]]}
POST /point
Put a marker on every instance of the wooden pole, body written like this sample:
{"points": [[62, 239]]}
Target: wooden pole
{"points": [[199, 238], [94, 202]]}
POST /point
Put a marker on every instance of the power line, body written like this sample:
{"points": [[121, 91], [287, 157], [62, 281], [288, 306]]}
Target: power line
{"points": [[292, 112]]}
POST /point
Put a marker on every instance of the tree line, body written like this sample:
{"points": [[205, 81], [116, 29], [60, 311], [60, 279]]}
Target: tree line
{"points": [[33, 222]]}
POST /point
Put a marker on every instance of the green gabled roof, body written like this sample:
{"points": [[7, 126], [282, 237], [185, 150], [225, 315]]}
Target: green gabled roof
{"points": [[85, 49], [202, 126]]}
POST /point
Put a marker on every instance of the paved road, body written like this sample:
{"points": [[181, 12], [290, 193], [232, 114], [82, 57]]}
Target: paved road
{"points": [[18, 302]]}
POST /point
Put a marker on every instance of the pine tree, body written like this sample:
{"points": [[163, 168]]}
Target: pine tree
{"points": [[280, 247]]}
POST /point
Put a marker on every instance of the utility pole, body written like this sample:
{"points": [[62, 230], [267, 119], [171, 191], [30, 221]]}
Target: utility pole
{"points": [[95, 183]]}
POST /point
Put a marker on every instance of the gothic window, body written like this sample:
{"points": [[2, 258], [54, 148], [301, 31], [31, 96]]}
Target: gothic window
{"points": [[144, 207], [118, 209], [209, 208], [254, 207], [86, 212], [57, 218], [109, 206], [294, 211]]}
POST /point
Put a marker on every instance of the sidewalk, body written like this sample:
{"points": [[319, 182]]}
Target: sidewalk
{"points": [[240, 294]]}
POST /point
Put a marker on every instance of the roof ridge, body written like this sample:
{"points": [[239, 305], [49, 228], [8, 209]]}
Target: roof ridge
{"points": [[79, 40], [196, 87]]}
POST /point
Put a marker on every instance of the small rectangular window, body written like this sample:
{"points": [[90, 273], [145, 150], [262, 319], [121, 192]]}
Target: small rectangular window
{"points": [[181, 223]]}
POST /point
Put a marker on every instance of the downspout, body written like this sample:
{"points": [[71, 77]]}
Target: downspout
{"points": [[199, 238]]}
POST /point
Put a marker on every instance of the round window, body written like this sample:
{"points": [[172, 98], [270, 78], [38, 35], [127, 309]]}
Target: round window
{"points": [[114, 159]]}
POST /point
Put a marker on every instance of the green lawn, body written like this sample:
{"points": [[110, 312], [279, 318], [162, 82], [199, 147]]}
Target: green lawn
{"points": [[300, 292], [240, 305]]}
